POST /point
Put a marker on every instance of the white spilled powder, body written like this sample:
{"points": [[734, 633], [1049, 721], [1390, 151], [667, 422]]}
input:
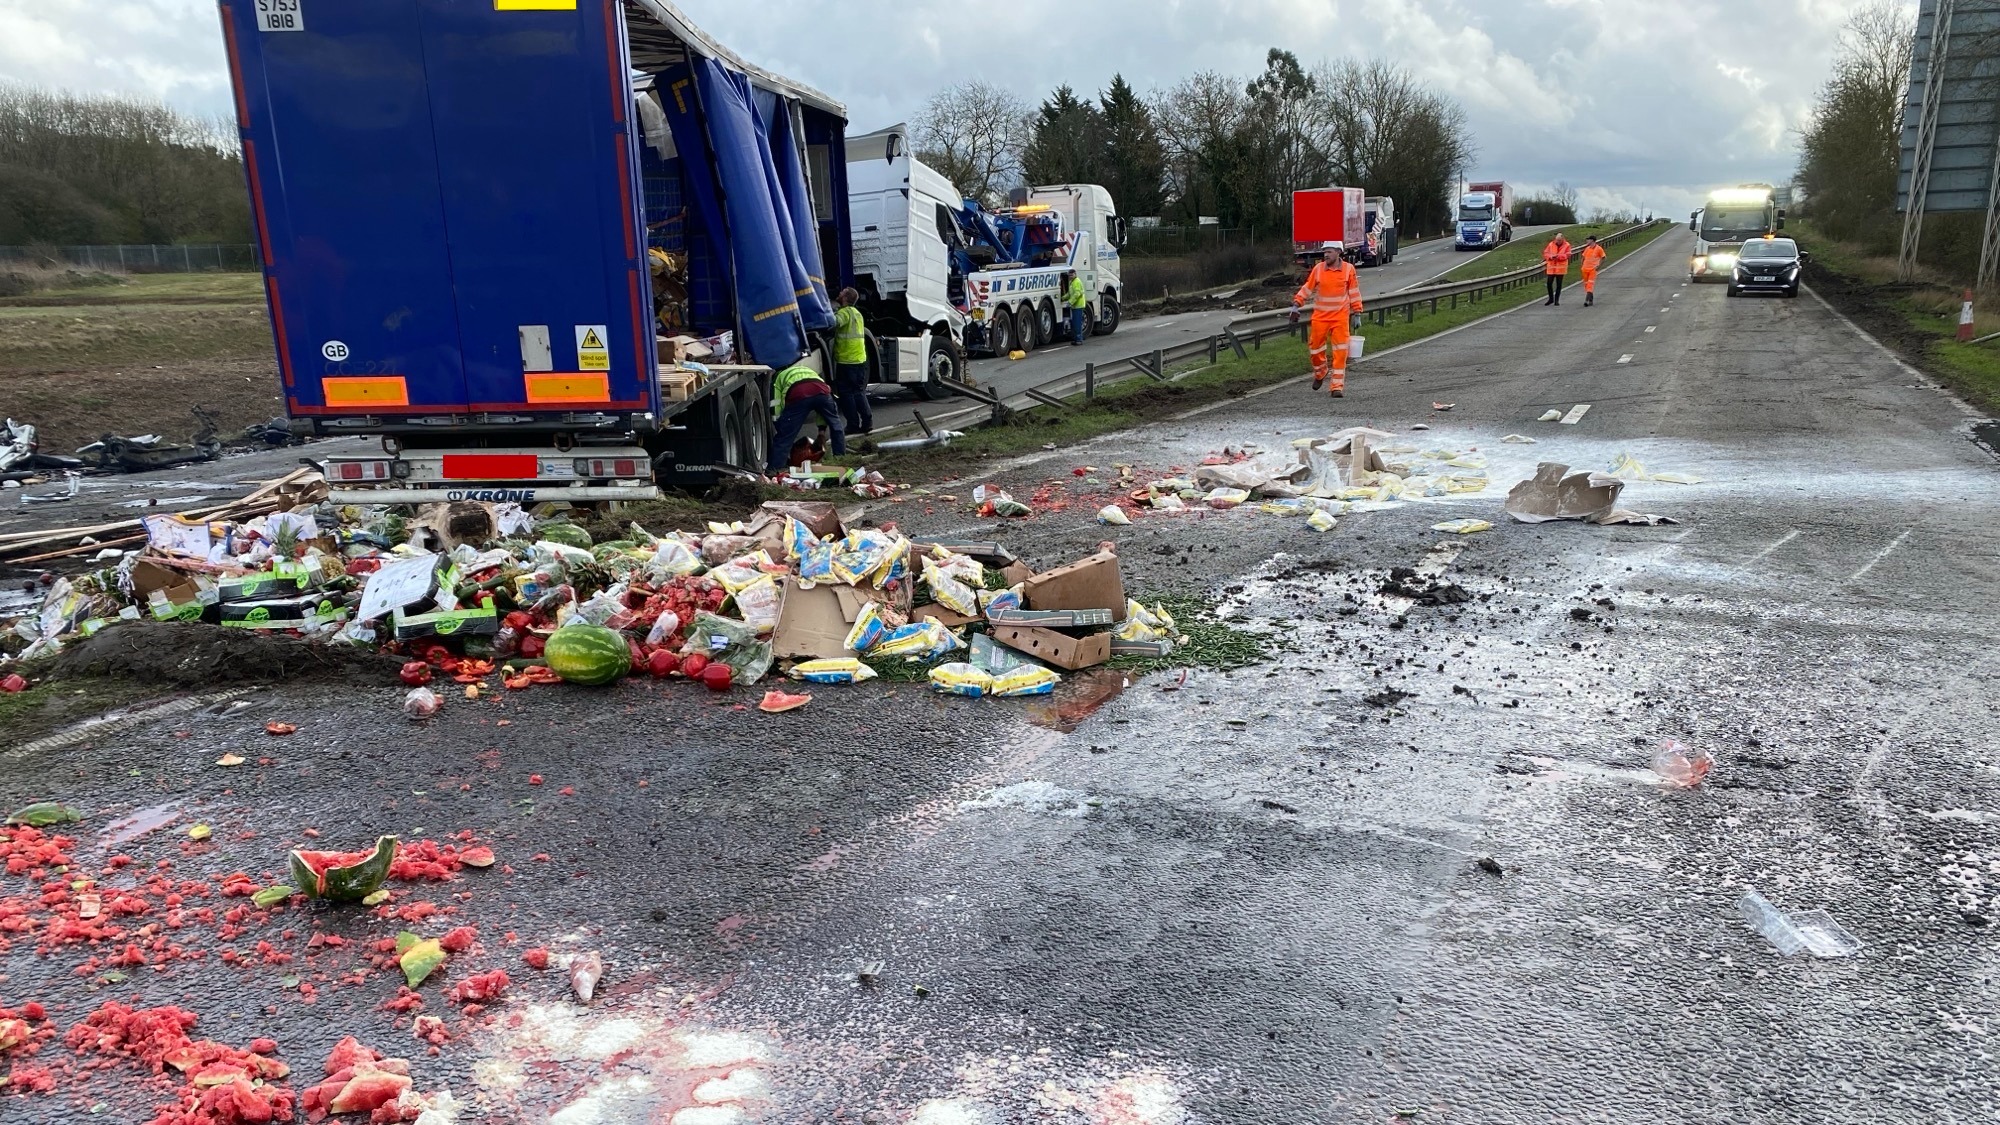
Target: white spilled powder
{"points": [[736, 1085], [1035, 796], [1144, 1099], [705, 1049], [954, 1111], [708, 1115], [610, 1101]]}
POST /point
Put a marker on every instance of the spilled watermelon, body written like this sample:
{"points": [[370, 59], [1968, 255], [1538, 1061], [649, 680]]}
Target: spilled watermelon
{"points": [[343, 876]]}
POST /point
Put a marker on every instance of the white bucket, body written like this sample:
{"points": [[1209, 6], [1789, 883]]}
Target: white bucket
{"points": [[1354, 347]]}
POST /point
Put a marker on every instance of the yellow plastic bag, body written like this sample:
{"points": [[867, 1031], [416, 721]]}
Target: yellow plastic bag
{"points": [[962, 679], [843, 670], [868, 628], [1320, 521], [949, 592], [1463, 526], [1031, 680], [757, 604]]}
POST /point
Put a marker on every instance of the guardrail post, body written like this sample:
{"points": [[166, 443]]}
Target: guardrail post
{"points": [[1213, 343], [1089, 381], [1159, 366], [1235, 343]]}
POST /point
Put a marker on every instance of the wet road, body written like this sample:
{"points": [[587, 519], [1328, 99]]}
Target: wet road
{"points": [[1250, 897]]}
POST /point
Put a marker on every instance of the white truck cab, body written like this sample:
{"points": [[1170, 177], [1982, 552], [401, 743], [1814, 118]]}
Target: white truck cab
{"points": [[926, 300]]}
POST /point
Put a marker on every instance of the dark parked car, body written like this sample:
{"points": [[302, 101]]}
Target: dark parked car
{"points": [[1767, 265]]}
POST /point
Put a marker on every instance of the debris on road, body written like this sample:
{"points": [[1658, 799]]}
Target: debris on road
{"points": [[1803, 931], [1681, 767], [1555, 493], [1627, 467], [1489, 865], [585, 970], [42, 814], [1518, 439], [1466, 526], [344, 876]]}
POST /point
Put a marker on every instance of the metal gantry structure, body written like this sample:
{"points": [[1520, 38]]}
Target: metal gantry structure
{"points": [[1951, 126]]}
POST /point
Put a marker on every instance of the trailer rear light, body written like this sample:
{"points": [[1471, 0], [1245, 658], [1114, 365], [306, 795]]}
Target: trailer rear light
{"points": [[361, 470], [604, 467]]}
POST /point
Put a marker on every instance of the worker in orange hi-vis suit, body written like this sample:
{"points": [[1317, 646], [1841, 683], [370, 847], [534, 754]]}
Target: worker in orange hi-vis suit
{"points": [[1335, 290], [1555, 263], [1593, 258]]}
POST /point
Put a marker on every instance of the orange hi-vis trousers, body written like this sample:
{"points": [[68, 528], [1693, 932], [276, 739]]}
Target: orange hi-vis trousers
{"points": [[1589, 279], [1327, 345]]}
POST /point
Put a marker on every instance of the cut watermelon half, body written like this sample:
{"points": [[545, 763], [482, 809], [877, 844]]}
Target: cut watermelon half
{"points": [[343, 876]]}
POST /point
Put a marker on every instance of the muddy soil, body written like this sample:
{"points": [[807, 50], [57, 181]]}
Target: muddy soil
{"points": [[171, 654]]}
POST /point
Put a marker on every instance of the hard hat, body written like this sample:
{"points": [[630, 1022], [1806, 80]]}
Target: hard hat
{"points": [[1335, 245]]}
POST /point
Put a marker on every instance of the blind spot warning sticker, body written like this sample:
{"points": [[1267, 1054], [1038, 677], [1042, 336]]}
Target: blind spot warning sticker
{"points": [[592, 354]]}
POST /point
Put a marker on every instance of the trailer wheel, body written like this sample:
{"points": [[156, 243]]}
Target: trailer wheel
{"points": [[1046, 320], [943, 366], [1027, 334], [729, 431], [1107, 317], [754, 435], [1001, 334]]}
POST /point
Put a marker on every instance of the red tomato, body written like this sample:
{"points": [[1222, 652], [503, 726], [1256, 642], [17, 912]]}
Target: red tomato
{"points": [[693, 665], [13, 683], [718, 677], [531, 646], [663, 664]]}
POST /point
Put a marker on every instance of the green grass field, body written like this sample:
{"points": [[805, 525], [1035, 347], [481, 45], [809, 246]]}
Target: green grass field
{"points": [[1526, 250]]}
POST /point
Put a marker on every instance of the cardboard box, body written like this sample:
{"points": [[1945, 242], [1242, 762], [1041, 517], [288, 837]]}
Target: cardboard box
{"points": [[949, 618], [819, 516], [283, 613], [1059, 649], [1051, 618], [260, 587], [1141, 648], [176, 590], [813, 623], [1092, 583], [480, 622]]}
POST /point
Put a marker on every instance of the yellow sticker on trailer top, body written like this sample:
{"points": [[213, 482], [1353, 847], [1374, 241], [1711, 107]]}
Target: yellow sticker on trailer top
{"points": [[534, 5]]}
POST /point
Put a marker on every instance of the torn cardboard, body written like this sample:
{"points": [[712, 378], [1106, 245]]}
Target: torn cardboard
{"points": [[1555, 493], [813, 621], [1091, 583], [820, 517]]}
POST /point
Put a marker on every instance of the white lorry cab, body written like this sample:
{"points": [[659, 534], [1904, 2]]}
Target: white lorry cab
{"points": [[935, 268]]}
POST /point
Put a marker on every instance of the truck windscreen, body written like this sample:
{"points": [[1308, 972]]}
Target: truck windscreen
{"points": [[1483, 213], [1729, 224]]}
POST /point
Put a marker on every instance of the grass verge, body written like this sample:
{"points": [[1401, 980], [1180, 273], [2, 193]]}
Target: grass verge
{"points": [[1917, 319], [49, 707], [1135, 402]]}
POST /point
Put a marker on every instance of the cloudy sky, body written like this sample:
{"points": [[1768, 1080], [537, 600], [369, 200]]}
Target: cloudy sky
{"points": [[1637, 102]]}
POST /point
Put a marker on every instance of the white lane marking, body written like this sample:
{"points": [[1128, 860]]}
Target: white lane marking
{"points": [[1626, 358], [1436, 562], [1879, 556], [1575, 414], [1766, 552], [1662, 309], [1652, 328]]}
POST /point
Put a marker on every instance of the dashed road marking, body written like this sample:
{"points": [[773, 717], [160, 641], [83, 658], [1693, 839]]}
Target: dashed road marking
{"points": [[1575, 414], [1879, 556], [1652, 327], [1626, 358]]}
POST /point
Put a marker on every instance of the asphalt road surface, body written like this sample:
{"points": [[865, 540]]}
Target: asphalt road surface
{"points": [[1247, 897]]}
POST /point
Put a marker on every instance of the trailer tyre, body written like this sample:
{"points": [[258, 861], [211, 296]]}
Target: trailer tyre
{"points": [[729, 430], [943, 366], [1107, 317], [753, 436]]}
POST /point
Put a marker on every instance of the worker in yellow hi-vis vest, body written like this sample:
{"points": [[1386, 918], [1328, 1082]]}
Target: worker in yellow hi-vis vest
{"points": [[850, 363]]}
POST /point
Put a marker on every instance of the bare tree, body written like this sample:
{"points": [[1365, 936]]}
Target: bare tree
{"points": [[1849, 151], [1565, 195], [974, 134], [1196, 117], [1381, 129]]}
